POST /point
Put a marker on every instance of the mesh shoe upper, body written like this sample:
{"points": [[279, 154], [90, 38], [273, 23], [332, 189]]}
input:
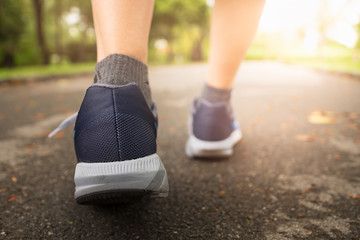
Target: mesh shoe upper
{"points": [[114, 123], [212, 121]]}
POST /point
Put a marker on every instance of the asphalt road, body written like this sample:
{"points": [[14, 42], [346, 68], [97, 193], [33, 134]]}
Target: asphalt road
{"points": [[295, 175]]}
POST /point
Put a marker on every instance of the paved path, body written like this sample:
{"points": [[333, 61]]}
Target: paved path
{"points": [[295, 175]]}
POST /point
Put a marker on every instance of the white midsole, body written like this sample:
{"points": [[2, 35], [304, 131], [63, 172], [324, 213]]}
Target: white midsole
{"points": [[147, 173], [197, 147]]}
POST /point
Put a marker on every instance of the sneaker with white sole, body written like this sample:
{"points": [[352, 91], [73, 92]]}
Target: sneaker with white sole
{"points": [[115, 143], [212, 129]]}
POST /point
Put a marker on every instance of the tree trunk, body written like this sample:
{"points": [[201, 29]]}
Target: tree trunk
{"points": [[196, 52], [38, 7], [58, 29], [8, 58]]}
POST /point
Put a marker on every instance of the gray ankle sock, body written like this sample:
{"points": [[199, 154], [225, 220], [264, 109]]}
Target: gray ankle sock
{"points": [[120, 69], [215, 94]]}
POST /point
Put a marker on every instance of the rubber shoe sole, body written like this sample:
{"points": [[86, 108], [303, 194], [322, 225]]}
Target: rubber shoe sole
{"points": [[119, 182], [212, 149]]}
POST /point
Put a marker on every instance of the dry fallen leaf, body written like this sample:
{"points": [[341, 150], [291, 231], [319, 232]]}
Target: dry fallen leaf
{"points": [[30, 147], [269, 108], [62, 82], [354, 115], [222, 192], [17, 109], [350, 115], [330, 132], [59, 134], [354, 125], [39, 116], [14, 179], [283, 126], [305, 137], [321, 117], [3, 190], [306, 190], [354, 196], [42, 134], [172, 129], [295, 98], [12, 197]]}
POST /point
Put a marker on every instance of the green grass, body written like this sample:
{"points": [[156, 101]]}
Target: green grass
{"points": [[332, 56], [341, 65], [45, 71]]}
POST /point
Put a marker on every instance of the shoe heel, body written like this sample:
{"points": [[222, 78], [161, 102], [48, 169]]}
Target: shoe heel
{"points": [[111, 182], [163, 189]]}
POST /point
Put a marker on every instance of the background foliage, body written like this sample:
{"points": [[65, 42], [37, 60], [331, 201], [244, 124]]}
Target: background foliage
{"points": [[61, 33], [179, 29]]}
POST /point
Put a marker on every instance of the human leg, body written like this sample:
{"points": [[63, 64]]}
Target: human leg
{"points": [[122, 32], [213, 128], [116, 127], [122, 27], [233, 25]]}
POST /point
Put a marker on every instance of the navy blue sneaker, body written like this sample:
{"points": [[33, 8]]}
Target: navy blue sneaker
{"points": [[212, 129], [115, 143]]}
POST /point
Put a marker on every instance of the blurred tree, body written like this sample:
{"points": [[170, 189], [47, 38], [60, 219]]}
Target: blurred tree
{"points": [[60, 31], [77, 37], [11, 28], [38, 8], [356, 54], [171, 20], [84, 43], [58, 11]]}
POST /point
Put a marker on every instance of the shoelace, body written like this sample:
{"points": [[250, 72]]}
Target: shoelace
{"points": [[64, 124]]}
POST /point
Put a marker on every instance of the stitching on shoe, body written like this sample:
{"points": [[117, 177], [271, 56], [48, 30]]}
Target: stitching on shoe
{"points": [[116, 125]]}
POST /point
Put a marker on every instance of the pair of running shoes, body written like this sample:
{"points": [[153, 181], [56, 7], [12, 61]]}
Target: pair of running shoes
{"points": [[115, 143]]}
